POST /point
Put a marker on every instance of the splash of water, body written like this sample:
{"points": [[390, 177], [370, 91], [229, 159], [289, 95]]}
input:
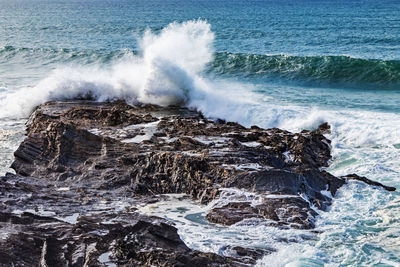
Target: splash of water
{"points": [[166, 71]]}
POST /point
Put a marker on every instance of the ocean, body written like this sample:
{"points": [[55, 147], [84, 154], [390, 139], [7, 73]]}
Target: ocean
{"points": [[287, 64]]}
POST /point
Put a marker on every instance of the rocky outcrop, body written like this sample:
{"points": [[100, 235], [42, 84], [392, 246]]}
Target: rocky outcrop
{"points": [[81, 159], [153, 150], [368, 181]]}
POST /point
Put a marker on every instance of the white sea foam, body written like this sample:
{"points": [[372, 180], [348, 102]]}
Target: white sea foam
{"points": [[198, 233], [168, 70], [359, 229], [11, 135]]}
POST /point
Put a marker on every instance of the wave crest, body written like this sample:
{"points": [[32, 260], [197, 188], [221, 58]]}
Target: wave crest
{"points": [[332, 69]]}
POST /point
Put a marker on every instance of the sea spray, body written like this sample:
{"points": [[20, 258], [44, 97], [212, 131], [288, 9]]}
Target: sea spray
{"points": [[173, 60], [166, 71]]}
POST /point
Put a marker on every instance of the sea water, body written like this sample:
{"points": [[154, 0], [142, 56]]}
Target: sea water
{"points": [[286, 64]]}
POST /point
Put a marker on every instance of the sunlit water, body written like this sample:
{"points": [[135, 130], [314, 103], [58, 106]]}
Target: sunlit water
{"points": [[282, 64]]}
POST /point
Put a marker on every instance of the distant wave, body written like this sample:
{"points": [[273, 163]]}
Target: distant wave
{"points": [[333, 69], [63, 55]]}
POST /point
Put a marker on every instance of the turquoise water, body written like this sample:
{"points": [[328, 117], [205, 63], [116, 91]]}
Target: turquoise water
{"points": [[288, 64]]}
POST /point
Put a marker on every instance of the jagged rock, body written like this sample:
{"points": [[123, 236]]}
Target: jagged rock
{"points": [[248, 255], [90, 242], [80, 159], [155, 150], [276, 210], [232, 213]]}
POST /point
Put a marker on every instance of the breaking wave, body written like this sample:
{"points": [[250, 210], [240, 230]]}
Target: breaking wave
{"points": [[167, 70]]}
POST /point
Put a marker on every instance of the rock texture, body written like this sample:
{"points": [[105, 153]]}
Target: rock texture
{"points": [[85, 166]]}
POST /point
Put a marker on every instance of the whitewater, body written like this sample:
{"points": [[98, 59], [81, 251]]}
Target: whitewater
{"points": [[178, 65]]}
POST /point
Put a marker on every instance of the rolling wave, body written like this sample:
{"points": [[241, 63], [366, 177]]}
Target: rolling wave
{"points": [[332, 69]]}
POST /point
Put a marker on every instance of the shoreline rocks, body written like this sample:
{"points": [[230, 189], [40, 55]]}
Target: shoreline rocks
{"points": [[81, 158]]}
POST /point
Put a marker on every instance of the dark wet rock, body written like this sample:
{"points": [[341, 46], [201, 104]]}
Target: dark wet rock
{"points": [[274, 211], [368, 181], [154, 150], [232, 213], [246, 254], [147, 237], [176, 151], [324, 128], [89, 242], [84, 167]]}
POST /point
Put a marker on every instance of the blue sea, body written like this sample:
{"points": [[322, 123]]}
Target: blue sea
{"points": [[287, 64]]}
